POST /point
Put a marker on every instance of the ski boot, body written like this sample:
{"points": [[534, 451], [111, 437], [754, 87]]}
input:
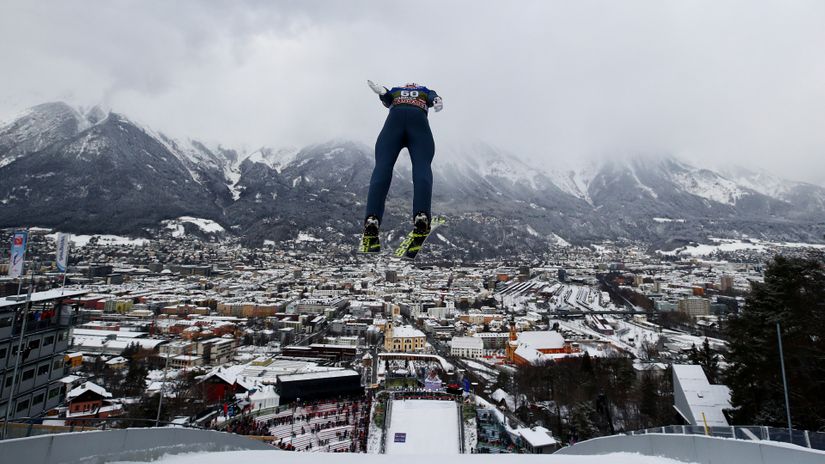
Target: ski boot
{"points": [[421, 224], [412, 243], [370, 242]]}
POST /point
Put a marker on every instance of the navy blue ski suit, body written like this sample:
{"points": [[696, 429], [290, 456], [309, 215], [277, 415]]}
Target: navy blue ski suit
{"points": [[406, 127]]}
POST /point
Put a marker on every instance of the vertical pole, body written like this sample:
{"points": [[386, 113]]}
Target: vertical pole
{"points": [[784, 381], [162, 385]]}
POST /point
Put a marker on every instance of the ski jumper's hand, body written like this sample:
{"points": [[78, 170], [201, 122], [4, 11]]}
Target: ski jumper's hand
{"points": [[438, 104], [376, 88]]}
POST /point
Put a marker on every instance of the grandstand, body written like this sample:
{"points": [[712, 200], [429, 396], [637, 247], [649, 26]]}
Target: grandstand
{"points": [[331, 426]]}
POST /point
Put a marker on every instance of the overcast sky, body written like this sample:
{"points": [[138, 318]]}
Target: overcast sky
{"points": [[712, 82]]}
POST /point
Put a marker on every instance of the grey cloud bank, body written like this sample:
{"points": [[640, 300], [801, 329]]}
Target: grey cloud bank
{"points": [[712, 82]]}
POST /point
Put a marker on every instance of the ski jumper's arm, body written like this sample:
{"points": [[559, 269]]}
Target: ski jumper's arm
{"points": [[383, 93], [386, 99], [434, 101]]}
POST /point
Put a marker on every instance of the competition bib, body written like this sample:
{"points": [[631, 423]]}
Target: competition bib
{"points": [[410, 96]]}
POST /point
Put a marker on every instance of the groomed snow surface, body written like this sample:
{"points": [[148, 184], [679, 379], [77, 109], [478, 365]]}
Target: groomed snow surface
{"points": [[729, 245], [287, 457], [423, 427], [206, 225], [83, 240]]}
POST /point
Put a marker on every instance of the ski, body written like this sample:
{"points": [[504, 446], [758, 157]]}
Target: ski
{"points": [[413, 242], [369, 244], [370, 239]]}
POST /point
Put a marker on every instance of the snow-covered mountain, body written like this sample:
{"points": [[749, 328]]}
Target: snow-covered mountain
{"points": [[37, 128], [98, 172]]}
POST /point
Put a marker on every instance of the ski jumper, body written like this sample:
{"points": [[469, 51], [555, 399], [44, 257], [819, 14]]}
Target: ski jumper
{"points": [[406, 127]]}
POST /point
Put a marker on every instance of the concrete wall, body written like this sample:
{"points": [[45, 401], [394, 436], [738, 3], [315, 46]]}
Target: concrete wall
{"points": [[699, 449], [115, 445]]}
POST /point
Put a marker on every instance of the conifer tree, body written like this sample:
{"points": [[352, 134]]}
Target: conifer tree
{"points": [[706, 358], [793, 294]]}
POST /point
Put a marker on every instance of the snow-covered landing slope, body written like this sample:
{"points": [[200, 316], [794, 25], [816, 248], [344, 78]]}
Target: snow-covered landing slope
{"points": [[287, 457]]}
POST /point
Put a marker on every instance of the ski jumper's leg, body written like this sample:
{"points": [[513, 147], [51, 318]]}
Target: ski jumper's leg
{"points": [[387, 147], [422, 150]]}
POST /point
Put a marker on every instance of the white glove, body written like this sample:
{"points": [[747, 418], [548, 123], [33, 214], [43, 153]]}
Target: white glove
{"points": [[376, 88], [438, 104]]}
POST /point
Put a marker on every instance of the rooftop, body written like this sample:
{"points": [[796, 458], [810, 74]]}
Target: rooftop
{"points": [[541, 339], [38, 297], [406, 331], [697, 400]]}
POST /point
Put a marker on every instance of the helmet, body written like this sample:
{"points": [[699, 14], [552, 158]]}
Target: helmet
{"points": [[411, 85]]}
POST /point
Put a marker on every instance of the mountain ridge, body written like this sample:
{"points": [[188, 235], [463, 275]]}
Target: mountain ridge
{"points": [[86, 172]]}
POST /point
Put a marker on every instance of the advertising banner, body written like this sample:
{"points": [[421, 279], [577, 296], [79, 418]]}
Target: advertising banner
{"points": [[62, 257], [18, 253]]}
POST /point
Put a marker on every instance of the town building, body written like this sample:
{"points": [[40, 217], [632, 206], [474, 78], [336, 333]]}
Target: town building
{"points": [[35, 386], [467, 347], [318, 385], [726, 283], [494, 340], [693, 306], [538, 440], [404, 338], [533, 347], [88, 401]]}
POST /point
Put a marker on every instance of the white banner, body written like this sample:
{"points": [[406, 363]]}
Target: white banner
{"points": [[62, 251], [18, 253]]}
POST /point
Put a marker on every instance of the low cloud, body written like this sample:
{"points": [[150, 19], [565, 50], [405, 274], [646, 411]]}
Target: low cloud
{"points": [[713, 82]]}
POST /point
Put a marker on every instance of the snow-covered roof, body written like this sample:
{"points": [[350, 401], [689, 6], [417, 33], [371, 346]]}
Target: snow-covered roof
{"points": [[228, 376], [696, 399], [264, 392], [106, 333], [541, 339], [318, 375], [69, 379], [37, 297], [406, 331], [537, 436], [88, 386], [467, 342], [87, 342], [529, 354]]}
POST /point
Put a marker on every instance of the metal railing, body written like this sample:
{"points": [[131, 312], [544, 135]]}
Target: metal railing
{"points": [[460, 428], [804, 438], [252, 413], [29, 427], [385, 428]]}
